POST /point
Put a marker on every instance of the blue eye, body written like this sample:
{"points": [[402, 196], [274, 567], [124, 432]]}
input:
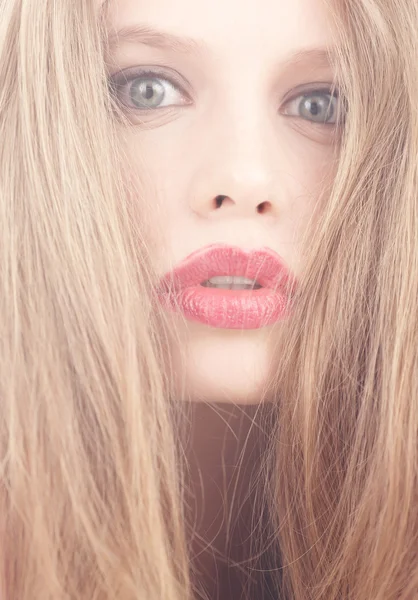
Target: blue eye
{"points": [[147, 90], [318, 106]]}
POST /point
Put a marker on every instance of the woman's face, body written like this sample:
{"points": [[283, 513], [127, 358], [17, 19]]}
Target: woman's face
{"points": [[233, 143]]}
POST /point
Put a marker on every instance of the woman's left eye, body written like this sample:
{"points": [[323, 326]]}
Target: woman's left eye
{"points": [[147, 91], [318, 106]]}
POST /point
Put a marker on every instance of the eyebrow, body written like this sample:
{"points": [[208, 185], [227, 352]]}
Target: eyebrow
{"points": [[321, 57], [144, 34]]}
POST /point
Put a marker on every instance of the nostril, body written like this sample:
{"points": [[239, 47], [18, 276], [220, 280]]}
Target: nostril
{"points": [[263, 207], [219, 201]]}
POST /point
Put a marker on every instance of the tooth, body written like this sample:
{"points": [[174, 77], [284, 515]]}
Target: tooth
{"points": [[225, 279], [231, 283]]}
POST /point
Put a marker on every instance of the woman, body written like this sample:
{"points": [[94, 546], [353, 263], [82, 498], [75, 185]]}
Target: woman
{"points": [[147, 151]]}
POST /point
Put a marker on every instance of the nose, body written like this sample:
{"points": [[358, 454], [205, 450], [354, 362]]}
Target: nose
{"points": [[236, 170]]}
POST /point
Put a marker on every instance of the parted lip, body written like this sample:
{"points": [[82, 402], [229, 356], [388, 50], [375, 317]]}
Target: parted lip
{"points": [[182, 291], [262, 265]]}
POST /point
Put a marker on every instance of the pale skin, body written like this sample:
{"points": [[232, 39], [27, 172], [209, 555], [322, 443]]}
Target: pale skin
{"points": [[226, 121]]}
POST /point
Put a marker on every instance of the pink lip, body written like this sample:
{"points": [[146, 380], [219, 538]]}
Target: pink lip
{"points": [[181, 289]]}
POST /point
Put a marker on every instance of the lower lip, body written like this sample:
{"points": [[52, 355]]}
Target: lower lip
{"points": [[228, 309]]}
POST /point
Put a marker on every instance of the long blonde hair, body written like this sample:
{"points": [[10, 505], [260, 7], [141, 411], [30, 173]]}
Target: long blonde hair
{"points": [[90, 496], [345, 496]]}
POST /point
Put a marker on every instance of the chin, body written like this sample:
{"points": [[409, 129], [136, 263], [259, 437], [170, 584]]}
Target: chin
{"points": [[221, 365]]}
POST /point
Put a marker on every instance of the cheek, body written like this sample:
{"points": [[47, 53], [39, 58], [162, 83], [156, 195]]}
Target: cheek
{"points": [[312, 180], [162, 168], [303, 188], [156, 181]]}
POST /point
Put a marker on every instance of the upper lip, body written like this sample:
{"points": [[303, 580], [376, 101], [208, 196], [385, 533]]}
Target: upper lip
{"points": [[262, 265]]}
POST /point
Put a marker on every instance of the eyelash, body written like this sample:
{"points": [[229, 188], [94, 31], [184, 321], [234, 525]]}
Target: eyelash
{"points": [[128, 77]]}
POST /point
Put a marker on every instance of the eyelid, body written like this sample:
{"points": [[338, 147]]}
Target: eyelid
{"points": [[309, 89]]}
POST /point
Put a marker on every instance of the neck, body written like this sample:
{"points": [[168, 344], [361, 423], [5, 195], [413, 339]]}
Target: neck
{"points": [[224, 453]]}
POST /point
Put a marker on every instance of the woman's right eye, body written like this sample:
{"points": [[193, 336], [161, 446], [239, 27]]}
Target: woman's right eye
{"points": [[147, 90]]}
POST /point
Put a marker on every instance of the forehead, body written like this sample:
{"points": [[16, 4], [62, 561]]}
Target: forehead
{"points": [[282, 25]]}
